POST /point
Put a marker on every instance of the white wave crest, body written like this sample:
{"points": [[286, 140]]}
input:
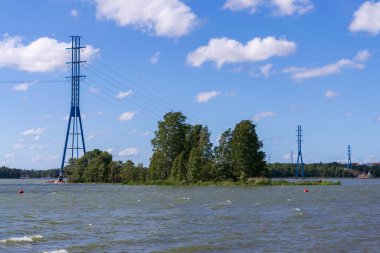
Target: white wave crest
{"points": [[22, 239], [57, 251]]}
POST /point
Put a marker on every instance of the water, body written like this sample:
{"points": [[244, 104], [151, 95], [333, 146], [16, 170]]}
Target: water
{"points": [[118, 218]]}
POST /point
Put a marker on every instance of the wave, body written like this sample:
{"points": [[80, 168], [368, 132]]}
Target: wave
{"points": [[32, 238], [57, 251]]}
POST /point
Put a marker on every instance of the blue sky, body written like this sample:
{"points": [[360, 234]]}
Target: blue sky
{"points": [[280, 63]]}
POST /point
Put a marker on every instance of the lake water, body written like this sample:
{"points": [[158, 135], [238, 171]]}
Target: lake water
{"points": [[118, 218]]}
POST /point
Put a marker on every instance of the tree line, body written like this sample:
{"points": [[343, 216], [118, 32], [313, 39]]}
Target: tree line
{"points": [[182, 153], [6, 172]]}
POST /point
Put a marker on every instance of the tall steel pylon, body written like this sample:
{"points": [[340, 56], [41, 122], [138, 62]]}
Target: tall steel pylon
{"points": [[299, 157], [73, 133], [349, 163]]}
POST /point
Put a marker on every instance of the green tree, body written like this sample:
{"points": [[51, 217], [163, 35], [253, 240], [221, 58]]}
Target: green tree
{"points": [[195, 165], [169, 141], [247, 158], [222, 167]]}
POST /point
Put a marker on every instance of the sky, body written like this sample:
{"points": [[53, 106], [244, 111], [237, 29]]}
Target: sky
{"points": [[279, 63]]}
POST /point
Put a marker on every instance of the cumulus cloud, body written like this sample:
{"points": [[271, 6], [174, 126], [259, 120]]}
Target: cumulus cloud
{"points": [[330, 69], [125, 116], [366, 18], [154, 58], [262, 115], [23, 86], [279, 7], [166, 18], [331, 94], [225, 50], [203, 97], [129, 152], [39, 56], [124, 94], [74, 13]]}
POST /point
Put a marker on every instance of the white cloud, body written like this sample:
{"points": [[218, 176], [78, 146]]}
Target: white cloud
{"points": [[33, 147], [93, 135], [203, 97], [39, 158], [74, 13], [331, 94], [154, 58], [124, 94], [366, 18], [33, 132], [330, 69], [288, 157], [129, 152], [239, 5], [9, 157], [225, 50], [262, 115], [23, 86], [134, 131], [362, 56], [109, 150], [166, 18], [94, 89], [42, 55], [126, 116], [265, 70], [348, 114], [145, 133], [280, 7], [19, 145], [290, 7]]}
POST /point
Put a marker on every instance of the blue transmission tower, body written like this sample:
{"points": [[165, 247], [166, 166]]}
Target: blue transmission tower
{"points": [[299, 157], [74, 131], [349, 163]]}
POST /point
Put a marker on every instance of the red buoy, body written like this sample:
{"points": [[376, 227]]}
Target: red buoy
{"points": [[305, 190], [20, 191]]}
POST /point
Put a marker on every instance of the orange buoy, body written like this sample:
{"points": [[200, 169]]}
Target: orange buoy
{"points": [[20, 191], [305, 190]]}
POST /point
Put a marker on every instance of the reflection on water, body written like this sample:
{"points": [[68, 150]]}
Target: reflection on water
{"points": [[118, 218]]}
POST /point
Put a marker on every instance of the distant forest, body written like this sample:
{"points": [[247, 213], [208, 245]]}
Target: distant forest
{"points": [[6, 172]]}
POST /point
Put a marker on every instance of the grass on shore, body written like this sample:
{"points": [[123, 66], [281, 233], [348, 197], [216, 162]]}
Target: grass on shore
{"points": [[250, 182]]}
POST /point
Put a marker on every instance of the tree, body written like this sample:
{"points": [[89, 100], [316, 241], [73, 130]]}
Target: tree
{"points": [[195, 165], [222, 167], [247, 158], [168, 143]]}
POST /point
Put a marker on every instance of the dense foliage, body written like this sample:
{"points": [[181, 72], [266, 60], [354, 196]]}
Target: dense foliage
{"points": [[6, 172], [182, 153], [322, 170]]}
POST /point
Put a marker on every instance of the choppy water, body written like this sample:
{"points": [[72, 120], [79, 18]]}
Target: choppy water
{"points": [[117, 218]]}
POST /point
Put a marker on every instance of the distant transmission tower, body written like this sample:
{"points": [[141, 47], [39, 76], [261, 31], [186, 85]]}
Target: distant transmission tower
{"points": [[291, 157], [73, 133], [299, 158], [349, 163]]}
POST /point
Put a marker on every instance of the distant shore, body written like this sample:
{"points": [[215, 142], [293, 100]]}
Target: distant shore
{"points": [[250, 182]]}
